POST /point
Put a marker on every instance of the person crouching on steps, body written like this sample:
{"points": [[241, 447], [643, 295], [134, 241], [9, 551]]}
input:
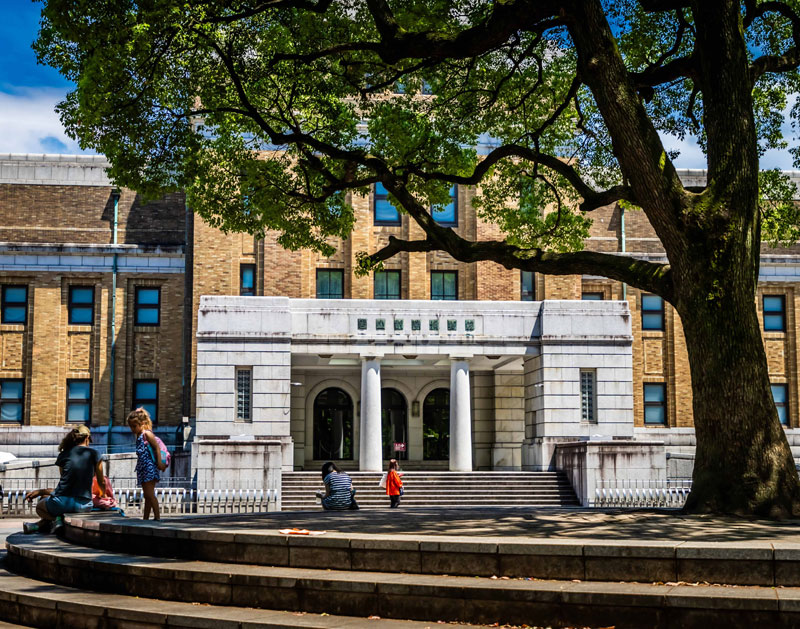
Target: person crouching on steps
{"points": [[148, 460], [394, 486]]}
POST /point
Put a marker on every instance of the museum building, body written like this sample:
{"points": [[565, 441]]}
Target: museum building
{"points": [[108, 303]]}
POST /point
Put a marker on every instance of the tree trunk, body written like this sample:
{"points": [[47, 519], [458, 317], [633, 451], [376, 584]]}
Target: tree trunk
{"points": [[743, 464]]}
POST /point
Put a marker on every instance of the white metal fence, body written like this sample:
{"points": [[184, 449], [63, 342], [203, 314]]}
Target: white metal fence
{"points": [[172, 501], [637, 493]]}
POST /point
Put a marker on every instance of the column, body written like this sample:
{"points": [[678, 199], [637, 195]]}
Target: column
{"points": [[460, 416], [370, 451]]}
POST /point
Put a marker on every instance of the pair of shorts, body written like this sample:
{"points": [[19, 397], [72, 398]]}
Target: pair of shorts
{"points": [[59, 505]]}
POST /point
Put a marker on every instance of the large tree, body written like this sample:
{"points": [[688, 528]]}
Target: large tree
{"points": [[272, 114]]}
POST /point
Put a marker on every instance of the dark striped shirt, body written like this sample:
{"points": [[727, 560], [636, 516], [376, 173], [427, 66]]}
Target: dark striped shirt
{"points": [[339, 488]]}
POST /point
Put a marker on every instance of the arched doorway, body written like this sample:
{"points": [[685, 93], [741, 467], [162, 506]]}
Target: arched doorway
{"points": [[436, 425], [394, 424], [333, 425]]}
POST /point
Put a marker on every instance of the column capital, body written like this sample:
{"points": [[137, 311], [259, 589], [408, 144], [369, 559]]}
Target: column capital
{"points": [[461, 357], [376, 355]]}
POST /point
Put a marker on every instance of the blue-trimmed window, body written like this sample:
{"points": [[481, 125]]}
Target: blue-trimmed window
{"points": [[145, 395], [14, 305], [387, 285], [592, 296], [447, 215], [12, 397], [330, 284], [527, 288], [385, 212], [247, 280], [444, 285], [655, 403], [652, 312], [147, 309], [79, 401], [774, 313], [81, 305], [780, 397]]}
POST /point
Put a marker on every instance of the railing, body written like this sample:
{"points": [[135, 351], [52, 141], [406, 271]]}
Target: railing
{"points": [[668, 493], [172, 501]]}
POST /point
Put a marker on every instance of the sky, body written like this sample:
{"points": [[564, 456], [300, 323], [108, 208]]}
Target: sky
{"points": [[29, 93]]}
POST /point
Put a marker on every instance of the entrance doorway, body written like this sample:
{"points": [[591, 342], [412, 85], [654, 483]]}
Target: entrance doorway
{"points": [[333, 425], [436, 425], [394, 425]]}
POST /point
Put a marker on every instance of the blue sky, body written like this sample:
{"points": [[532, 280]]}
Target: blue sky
{"points": [[29, 92]]}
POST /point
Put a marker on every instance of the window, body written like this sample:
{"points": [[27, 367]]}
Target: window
{"points": [[385, 212], [330, 284], [148, 306], [774, 313], [15, 304], [592, 296], [447, 215], [244, 397], [655, 406], [247, 280], [528, 292], [11, 399], [652, 312], [387, 284], [436, 425], [444, 285], [779, 397], [79, 401], [145, 395], [587, 396], [81, 305]]}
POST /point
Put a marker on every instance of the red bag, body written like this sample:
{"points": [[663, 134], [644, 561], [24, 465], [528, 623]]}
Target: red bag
{"points": [[103, 502]]}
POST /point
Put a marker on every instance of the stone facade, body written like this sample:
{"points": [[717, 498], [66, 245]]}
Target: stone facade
{"points": [[56, 215]]}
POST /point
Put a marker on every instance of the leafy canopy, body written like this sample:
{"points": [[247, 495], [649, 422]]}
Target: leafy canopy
{"points": [[270, 114]]}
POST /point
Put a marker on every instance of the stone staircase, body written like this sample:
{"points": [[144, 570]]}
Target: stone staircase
{"points": [[239, 572], [440, 489]]}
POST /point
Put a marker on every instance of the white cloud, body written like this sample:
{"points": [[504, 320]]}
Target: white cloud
{"points": [[29, 123]]}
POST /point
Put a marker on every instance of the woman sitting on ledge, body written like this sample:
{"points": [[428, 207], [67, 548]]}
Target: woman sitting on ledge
{"points": [[339, 492], [78, 464]]}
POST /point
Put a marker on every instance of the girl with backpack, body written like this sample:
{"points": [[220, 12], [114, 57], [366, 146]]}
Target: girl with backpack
{"points": [[151, 458]]}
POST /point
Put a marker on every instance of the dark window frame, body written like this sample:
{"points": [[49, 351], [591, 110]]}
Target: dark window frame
{"points": [[316, 286], [442, 273], [650, 311], [82, 403], [14, 304], [138, 402], [248, 416], [773, 313], [784, 404], [380, 196], [522, 292], [137, 307], [596, 292], [399, 274], [662, 404], [454, 222], [588, 400], [20, 400], [72, 304], [242, 268]]}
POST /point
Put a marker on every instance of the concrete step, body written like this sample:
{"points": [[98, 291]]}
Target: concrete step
{"points": [[34, 603], [391, 595]]}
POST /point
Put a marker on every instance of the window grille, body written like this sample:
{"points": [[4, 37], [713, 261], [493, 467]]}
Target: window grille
{"points": [[588, 414], [244, 398]]}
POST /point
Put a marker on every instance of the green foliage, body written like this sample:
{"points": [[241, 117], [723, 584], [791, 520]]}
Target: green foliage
{"points": [[780, 211], [272, 118]]}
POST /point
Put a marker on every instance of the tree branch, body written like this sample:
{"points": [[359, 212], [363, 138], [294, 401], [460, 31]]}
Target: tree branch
{"points": [[790, 59], [649, 276]]}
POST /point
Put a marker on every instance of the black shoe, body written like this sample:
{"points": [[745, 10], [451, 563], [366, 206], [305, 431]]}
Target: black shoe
{"points": [[354, 505]]}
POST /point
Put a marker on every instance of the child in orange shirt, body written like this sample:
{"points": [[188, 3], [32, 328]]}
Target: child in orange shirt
{"points": [[394, 486]]}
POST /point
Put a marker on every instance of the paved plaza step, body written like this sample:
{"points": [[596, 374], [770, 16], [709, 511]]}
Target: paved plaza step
{"points": [[440, 489], [430, 597], [35, 603]]}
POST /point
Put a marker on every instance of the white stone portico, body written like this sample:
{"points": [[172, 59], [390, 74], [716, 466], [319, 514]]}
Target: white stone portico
{"points": [[502, 379]]}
